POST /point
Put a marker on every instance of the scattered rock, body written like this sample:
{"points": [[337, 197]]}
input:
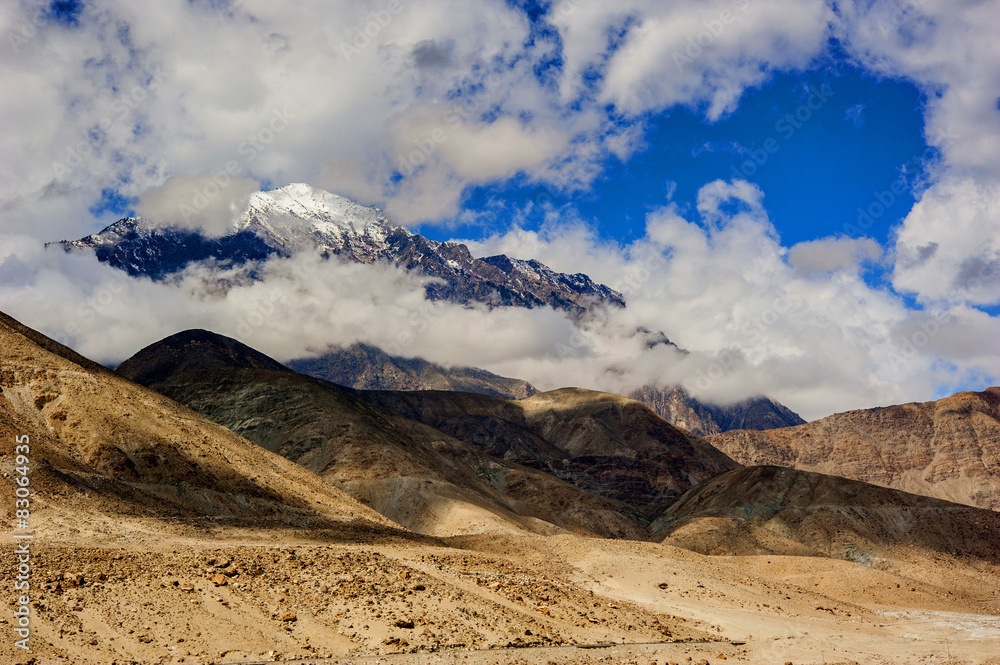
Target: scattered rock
{"points": [[219, 580]]}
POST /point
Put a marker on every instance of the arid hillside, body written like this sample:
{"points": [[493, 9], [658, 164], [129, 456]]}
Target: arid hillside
{"points": [[119, 449], [160, 537], [609, 445], [414, 474], [775, 510], [949, 449]]}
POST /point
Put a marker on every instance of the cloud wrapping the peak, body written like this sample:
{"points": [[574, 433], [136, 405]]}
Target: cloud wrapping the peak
{"points": [[207, 202], [409, 103], [800, 325]]}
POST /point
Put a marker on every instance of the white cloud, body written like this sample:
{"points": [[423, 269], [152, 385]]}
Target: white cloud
{"points": [[799, 325], [833, 254], [687, 53], [948, 247], [206, 202]]}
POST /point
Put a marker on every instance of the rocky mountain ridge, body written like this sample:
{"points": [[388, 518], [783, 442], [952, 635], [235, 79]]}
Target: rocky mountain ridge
{"points": [[585, 448], [948, 448], [366, 367], [299, 217]]}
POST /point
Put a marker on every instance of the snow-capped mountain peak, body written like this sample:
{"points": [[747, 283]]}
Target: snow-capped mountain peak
{"points": [[300, 214], [300, 217]]}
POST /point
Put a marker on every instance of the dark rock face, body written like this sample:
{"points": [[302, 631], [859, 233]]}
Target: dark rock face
{"points": [[298, 217], [369, 368], [754, 413], [155, 253], [192, 351], [704, 419]]}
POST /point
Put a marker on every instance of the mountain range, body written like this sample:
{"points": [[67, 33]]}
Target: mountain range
{"points": [[948, 448], [278, 513], [299, 217], [611, 459], [366, 367]]}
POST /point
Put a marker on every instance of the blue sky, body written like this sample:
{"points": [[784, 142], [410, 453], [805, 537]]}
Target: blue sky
{"points": [[866, 133], [784, 118]]}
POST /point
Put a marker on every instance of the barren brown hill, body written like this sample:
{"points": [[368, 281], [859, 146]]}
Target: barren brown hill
{"points": [[126, 450], [167, 557], [768, 509], [606, 444], [949, 449], [413, 474]]}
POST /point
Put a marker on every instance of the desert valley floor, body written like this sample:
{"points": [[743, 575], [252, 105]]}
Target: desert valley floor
{"points": [[160, 536]]}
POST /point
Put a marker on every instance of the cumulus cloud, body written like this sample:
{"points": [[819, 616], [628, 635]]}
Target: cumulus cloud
{"points": [[948, 247], [206, 202], [655, 55], [800, 325], [833, 254]]}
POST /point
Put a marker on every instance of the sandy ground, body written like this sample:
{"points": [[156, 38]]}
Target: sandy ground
{"points": [[163, 538], [240, 596]]}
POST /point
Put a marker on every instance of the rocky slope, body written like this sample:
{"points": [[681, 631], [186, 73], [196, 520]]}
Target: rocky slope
{"points": [[949, 448], [677, 406], [370, 368], [413, 474], [123, 451], [297, 216], [768, 509], [608, 445], [170, 556]]}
